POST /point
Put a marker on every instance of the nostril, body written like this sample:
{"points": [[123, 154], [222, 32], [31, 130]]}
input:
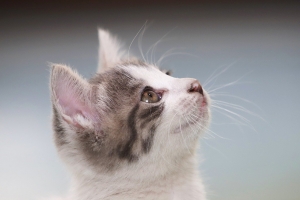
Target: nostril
{"points": [[196, 87]]}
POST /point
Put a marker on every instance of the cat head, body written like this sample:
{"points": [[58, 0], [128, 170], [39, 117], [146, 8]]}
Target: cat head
{"points": [[129, 114]]}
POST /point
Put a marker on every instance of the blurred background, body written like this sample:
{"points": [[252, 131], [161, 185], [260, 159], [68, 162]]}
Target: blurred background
{"points": [[250, 50]]}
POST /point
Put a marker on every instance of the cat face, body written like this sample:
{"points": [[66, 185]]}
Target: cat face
{"points": [[129, 114]]}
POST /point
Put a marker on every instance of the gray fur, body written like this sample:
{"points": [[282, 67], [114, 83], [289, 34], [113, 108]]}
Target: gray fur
{"points": [[120, 146], [125, 130]]}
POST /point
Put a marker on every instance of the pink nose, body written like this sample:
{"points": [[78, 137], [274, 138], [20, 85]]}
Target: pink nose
{"points": [[196, 87]]}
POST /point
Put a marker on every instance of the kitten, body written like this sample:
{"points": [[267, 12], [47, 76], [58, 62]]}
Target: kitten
{"points": [[131, 131]]}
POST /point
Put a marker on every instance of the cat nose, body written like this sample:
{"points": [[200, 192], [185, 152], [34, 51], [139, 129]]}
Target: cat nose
{"points": [[195, 87]]}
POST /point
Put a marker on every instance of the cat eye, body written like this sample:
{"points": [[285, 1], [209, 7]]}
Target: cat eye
{"points": [[149, 96]]}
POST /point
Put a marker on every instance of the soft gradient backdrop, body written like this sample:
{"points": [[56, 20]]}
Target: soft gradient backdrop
{"points": [[256, 44]]}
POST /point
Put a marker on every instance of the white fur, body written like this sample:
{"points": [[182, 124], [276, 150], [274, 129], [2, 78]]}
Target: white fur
{"points": [[153, 178], [109, 51], [169, 171]]}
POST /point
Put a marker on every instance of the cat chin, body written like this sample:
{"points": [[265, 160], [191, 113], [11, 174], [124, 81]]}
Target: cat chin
{"points": [[187, 127]]}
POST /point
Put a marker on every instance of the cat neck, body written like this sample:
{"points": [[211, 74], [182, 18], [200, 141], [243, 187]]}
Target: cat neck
{"points": [[147, 182]]}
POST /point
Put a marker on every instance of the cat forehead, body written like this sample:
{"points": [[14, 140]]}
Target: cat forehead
{"points": [[150, 75]]}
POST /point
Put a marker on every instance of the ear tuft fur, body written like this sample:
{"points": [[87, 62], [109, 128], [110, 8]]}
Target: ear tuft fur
{"points": [[109, 50]]}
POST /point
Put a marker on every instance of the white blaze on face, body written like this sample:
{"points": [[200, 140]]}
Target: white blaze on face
{"points": [[184, 111]]}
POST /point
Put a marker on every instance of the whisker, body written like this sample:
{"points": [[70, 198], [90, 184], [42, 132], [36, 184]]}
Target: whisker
{"points": [[200, 127], [236, 97], [213, 76], [231, 112], [153, 46], [140, 43], [225, 85], [144, 25], [205, 128], [239, 122], [237, 107], [172, 54], [164, 54], [188, 120]]}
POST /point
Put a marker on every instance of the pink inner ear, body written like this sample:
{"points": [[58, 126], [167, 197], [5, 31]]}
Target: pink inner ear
{"points": [[70, 102]]}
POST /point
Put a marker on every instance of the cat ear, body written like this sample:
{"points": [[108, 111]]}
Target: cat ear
{"points": [[109, 50], [71, 96]]}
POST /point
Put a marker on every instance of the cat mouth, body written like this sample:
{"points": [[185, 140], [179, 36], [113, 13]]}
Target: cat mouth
{"points": [[198, 114], [203, 102]]}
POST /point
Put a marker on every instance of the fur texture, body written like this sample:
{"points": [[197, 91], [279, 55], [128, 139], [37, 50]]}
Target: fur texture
{"points": [[118, 146]]}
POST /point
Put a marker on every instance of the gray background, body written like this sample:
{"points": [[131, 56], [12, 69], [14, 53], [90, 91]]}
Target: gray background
{"points": [[257, 43]]}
